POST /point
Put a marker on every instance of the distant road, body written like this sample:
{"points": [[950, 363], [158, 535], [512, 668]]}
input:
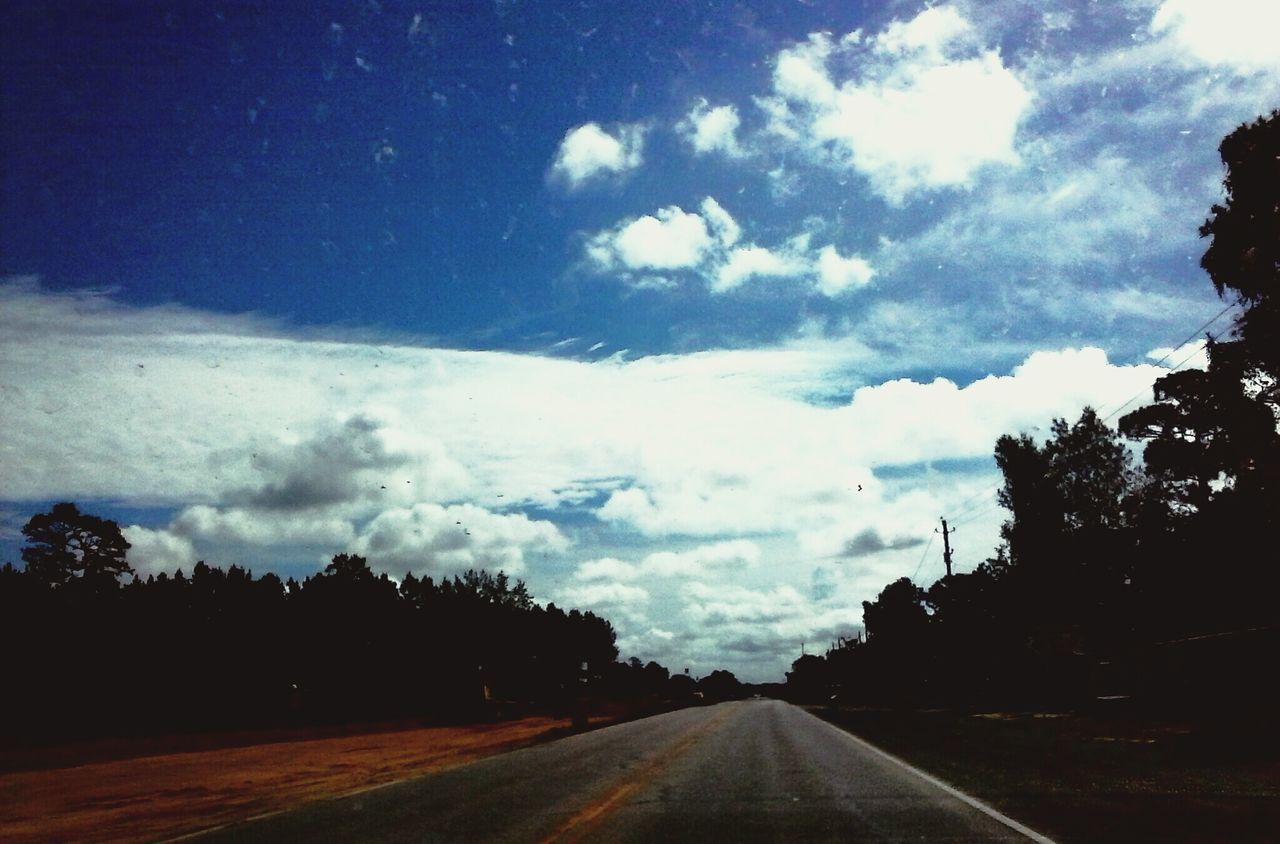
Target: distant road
{"points": [[745, 771]]}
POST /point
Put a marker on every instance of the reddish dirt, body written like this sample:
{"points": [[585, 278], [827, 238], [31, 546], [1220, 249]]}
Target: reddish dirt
{"points": [[162, 796]]}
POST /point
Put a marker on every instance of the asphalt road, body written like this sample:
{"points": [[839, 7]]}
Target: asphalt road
{"points": [[745, 771]]}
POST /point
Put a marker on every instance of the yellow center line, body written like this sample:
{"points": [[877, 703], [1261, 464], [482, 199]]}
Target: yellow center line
{"points": [[591, 816]]}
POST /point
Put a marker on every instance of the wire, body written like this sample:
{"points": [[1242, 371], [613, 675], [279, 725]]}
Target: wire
{"points": [[1197, 332], [1169, 354], [927, 546], [971, 508], [972, 504]]}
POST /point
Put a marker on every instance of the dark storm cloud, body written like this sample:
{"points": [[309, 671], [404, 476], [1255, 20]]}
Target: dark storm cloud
{"points": [[321, 471], [870, 542]]}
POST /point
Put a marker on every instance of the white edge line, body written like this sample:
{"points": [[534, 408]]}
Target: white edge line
{"points": [[932, 780]]}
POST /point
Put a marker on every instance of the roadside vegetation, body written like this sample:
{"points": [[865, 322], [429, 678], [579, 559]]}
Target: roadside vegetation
{"points": [[1107, 674], [1090, 778], [1140, 586], [97, 652]]}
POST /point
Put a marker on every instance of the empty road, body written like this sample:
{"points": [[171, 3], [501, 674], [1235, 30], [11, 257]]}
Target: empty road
{"points": [[744, 771]]}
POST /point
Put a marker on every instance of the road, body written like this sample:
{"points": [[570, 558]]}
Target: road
{"points": [[743, 771]]}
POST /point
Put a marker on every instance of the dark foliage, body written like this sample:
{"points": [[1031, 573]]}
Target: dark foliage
{"points": [[220, 649], [1111, 584], [65, 547]]}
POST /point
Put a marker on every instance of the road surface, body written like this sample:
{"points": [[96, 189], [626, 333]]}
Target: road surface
{"points": [[746, 771]]}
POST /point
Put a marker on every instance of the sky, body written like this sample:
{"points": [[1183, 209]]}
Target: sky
{"points": [[697, 315]]}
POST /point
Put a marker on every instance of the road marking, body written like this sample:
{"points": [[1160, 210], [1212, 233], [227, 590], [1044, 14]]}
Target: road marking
{"points": [[587, 819], [990, 812]]}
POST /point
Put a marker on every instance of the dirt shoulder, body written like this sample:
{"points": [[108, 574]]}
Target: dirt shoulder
{"points": [[170, 794], [1092, 779]]}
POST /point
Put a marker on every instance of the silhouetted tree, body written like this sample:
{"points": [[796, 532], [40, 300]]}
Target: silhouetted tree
{"points": [[349, 567], [1244, 254], [65, 545], [1213, 451], [721, 685], [1102, 564], [897, 615], [1203, 432], [809, 680]]}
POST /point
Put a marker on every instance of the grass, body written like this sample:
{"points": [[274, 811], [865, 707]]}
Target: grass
{"points": [[1082, 778]]}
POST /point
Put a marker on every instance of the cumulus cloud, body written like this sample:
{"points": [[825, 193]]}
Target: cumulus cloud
{"points": [[430, 539], [723, 483], [712, 129], [611, 600], [720, 605], [727, 556], [1046, 385], [607, 568], [925, 107], [706, 244], [756, 483], [1235, 33], [837, 273], [610, 435], [262, 527], [333, 467], [588, 151], [1193, 355], [720, 222], [669, 239], [746, 262], [157, 551]]}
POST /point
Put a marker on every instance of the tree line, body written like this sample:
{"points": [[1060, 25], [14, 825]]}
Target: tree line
{"points": [[1151, 581], [221, 648], [94, 650]]}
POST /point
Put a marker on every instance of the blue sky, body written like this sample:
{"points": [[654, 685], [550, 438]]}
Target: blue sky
{"points": [[699, 315]]}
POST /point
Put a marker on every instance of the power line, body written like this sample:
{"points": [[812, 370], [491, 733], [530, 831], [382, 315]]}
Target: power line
{"points": [[971, 508], [1197, 332], [927, 546], [1177, 365]]}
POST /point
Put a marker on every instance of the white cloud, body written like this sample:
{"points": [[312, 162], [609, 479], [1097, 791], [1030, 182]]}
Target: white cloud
{"points": [[718, 604], [926, 108], [430, 539], [471, 411], [614, 601], [837, 274], [262, 527], [710, 129], [670, 239], [588, 151], [506, 445], [800, 73], [1044, 386], [606, 568], [605, 593], [1193, 355], [1237, 33], [705, 244], [730, 555], [931, 32], [156, 551], [722, 225], [1099, 211], [748, 262], [727, 556]]}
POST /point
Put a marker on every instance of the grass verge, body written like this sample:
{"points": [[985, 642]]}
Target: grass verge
{"points": [[1080, 778]]}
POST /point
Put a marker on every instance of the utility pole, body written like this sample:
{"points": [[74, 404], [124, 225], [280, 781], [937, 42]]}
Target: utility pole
{"points": [[946, 546]]}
